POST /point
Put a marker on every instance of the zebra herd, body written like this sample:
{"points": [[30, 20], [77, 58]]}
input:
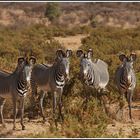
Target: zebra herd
{"points": [[43, 78]]}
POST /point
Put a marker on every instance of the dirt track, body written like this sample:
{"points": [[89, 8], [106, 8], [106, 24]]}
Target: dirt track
{"points": [[127, 129], [32, 128], [71, 42], [36, 128]]}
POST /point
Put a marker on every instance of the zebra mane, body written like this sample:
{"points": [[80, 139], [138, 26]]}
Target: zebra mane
{"points": [[100, 62], [5, 72], [47, 65]]}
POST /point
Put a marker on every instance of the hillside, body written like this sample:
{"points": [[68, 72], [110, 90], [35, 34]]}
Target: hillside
{"points": [[124, 15]]}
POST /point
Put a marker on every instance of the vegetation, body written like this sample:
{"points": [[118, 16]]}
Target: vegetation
{"points": [[53, 11], [82, 118]]}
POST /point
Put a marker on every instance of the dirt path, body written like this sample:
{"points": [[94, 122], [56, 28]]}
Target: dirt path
{"points": [[71, 42], [127, 129], [36, 128], [33, 127]]}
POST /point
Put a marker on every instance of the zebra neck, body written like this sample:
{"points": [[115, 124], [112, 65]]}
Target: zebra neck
{"points": [[21, 85], [20, 82], [123, 81], [90, 77], [59, 78], [21, 88]]}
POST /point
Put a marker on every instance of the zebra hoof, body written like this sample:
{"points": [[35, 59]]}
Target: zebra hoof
{"points": [[56, 123], [44, 120], [62, 117], [131, 121], [4, 125], [23, 127], [29, 120]]}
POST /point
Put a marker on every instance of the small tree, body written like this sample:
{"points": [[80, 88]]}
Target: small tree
{"points": [[94, 23], [53, 11]]}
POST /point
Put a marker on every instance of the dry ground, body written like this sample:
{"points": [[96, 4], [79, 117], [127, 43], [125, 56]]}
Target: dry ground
{"points": [[36, 128], [127, 128], [71, 42], [32, 128]]}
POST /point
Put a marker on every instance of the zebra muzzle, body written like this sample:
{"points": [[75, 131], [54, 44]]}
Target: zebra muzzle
{"points": [[129, 80]]}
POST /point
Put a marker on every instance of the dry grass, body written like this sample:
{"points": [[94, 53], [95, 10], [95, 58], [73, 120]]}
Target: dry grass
{"points": [[112, 14], [36, 128], [71, 42]]}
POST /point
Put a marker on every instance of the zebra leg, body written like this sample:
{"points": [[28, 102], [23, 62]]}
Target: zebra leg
{"points": [[22, 112], [121, 106], [32, 100], [129, 100], [15, 113], [60, 107], [103, 101], [54, 107], [2, 102], [42, 95]]}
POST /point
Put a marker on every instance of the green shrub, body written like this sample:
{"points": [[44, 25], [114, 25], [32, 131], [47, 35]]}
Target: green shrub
{"points": [[53, 11]]}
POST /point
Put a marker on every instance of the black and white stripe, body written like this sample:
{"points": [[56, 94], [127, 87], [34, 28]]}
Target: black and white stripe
{"points": [[51, 78], [123, 80], [90, 78], [14, 85], [21, 88], [59, 78], [126, 79], [95, 73]]}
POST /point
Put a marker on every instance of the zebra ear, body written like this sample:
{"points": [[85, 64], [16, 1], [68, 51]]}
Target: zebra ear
{"points": [[79, 53], [89, 53], [133, 56], [32, 60], [68, 53], [20, 60], [122, 57], [60, 53]]}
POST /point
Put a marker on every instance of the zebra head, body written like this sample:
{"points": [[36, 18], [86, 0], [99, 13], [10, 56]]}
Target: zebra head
{"points": [[85, 63], [63, 63], [25, 67], [127, 63]]}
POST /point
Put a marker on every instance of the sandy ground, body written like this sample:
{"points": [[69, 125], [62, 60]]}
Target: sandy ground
{"points": [[71, 42], [36, 127], [33, 127], [127, 128]]}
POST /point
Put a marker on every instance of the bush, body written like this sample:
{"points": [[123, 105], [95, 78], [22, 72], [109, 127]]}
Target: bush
{"points": [[53, 11]]}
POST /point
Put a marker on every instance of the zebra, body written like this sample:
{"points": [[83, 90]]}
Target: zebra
{"points": [[14, 86], [94, 74], [51, 79], [126, 80]]}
